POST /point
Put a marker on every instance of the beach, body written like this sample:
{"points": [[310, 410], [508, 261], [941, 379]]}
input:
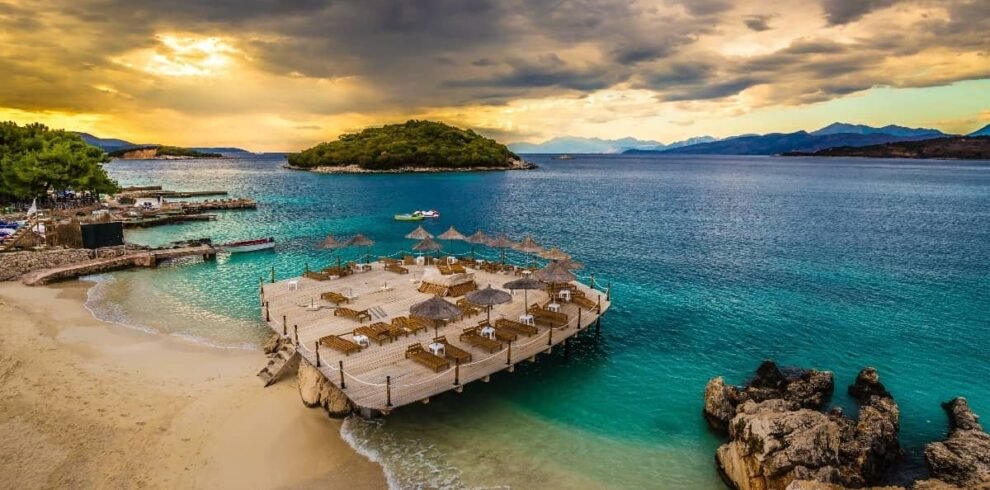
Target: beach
{"points": [[88, 404]]}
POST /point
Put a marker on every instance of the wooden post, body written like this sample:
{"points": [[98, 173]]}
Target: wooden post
{"points": [[567, 350], [388, 391], [307, 268], [340, 365], [550, 337], [508, 357], [592, 281], [599, 305], [317, 353], [457, 372], [579, 320], [295, 332], [273, 274], [598, 326], [285, 326], [268, 314], [608, 291]]}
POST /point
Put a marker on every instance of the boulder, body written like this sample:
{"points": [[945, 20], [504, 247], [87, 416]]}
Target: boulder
{"points": [[963, 458], [719, 409], [868, 384], [273, 344], [317, 391]]}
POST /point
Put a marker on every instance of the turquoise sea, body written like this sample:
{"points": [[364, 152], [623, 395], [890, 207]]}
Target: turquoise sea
{"points": [[716, 263]]}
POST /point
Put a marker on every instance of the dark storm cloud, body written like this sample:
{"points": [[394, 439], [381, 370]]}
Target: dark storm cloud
{"points": [[845, 11], [758, 23]]}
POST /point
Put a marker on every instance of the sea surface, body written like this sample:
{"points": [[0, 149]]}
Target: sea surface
{"points": [[716, 263]]}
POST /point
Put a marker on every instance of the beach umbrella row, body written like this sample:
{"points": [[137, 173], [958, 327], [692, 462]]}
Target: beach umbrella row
{"points": [[332, 243]]}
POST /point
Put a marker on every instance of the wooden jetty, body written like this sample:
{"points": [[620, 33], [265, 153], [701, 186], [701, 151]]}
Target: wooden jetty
{"points": [[143, 258], [381, 377], [165, 219]]}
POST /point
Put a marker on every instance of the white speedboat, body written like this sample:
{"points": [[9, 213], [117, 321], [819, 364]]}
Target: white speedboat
{"points": [[432, 213], [248, 245]]}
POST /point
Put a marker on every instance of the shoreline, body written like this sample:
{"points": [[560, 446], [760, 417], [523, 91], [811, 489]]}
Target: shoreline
{"points": [[355, 169], [88, 403]]}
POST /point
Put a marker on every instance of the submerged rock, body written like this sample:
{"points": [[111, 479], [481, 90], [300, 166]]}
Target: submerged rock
{"points": [[962, 459], [317, 391]]}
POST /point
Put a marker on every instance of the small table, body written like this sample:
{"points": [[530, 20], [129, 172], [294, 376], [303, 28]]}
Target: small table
{"points": [[527, 319], [488, 331], [478, 263], [555, 307], [420, 260], [293, 285], [451, 260], [362, 340], [364, 267], [436, 348], [564, 294]]}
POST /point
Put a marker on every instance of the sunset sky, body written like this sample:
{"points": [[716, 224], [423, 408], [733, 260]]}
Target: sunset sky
{"points": [[271, 75]]}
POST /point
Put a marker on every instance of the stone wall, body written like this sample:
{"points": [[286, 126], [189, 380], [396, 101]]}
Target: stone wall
{"points": [[15, 264]]}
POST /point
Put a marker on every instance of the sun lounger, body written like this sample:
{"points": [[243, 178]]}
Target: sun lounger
{"points": [[453, 352], [462, 289], [316, 276], [434, 289], [547, 317], [358, 316], [340, 344], [408, 260], [420, 323], [519, 328], [457, 269], [376, 331], [418, 354], [334, 297], [396, 268], [444, 270], [469, 309], [583, 301], [472, 336]]}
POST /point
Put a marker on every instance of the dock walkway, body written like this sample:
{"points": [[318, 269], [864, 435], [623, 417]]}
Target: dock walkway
{"points": [[144, 258], [380, 377]]}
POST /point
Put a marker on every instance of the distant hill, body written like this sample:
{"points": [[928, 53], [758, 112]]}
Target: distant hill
{"points": [[984, 131], [955, 147], [225, 150], [111, 145], [891, 129], [160, 152], [776, 143], [575, 144]]}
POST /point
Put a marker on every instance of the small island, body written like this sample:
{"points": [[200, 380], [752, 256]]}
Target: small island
{"points": [[414, 146], [956, 147], [161, 152]]}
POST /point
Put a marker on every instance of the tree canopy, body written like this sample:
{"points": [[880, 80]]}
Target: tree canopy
{"points": [[35, 160], [411, 144]]}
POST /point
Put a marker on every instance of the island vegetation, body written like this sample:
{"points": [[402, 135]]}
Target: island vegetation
{"points": [[162, 152], [958, 147], [409, 146], [36, 161]]}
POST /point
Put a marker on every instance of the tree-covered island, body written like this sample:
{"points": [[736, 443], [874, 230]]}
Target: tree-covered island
{"points": [[408, 147]]}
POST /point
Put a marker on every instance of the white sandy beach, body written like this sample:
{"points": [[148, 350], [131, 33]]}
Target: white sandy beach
{"points": [[86, 404]]}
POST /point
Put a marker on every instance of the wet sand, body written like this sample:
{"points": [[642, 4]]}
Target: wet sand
{"points": [[87, 404]]}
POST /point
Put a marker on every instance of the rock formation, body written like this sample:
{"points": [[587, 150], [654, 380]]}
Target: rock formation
{"points": [[963, 458], [778, 435], [316, 390]]}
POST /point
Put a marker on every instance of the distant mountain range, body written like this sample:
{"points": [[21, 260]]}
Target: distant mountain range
{"points": [[111, 145], [955, 147], [890, 129], [984, 131], [575, 144]]}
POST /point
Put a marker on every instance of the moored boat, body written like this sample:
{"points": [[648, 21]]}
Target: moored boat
{"points": [[409, 217], [432, 213], [249, 245]]}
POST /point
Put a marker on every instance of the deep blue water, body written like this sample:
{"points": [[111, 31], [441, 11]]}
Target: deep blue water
{"points": [[716, 263]]}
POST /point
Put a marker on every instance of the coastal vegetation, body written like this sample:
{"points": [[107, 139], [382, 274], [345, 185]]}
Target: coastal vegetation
{"points": [[36, 160], [162, 151], [411, 144], [960, 147]]}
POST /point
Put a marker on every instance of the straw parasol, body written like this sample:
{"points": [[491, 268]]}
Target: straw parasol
{"points": [[488, 297], [360, 240], [451, 234], [555, 254], [419, 234], [524, 283], [427, 244], [529, 246], [571, 265], [502, 243], [436, 309], [553, 274], [479, 238], [331, 243]]}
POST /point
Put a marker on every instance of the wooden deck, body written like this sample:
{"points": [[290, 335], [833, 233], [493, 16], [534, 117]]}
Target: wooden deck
{"points": [[290, 310], [144, 258]]}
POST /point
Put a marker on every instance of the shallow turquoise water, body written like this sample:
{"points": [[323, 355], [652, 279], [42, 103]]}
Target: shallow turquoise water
{"points": [[716, 263]]}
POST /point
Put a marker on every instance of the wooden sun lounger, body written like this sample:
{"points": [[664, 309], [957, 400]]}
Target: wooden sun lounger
{"points": [[340, 344], [470, 309], [453, 352], [472, 335], [358, 316], [334, 297], [403, 323], [502, 334], [519, 328], [547, 317], [583, 302], [457, 269], [418, 354], [462, 289], [420, 323], [316, 276], [376, 331], [389, 260], [444, 270], [396, 268], [408, 260]]}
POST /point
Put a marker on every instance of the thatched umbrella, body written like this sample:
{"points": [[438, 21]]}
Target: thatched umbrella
{"points": [[451, 234], [419, 234], [571, 265], [426, 245], [332, 243], [436, 309], [488, 297], [553, 274], [502, 243], [525, 283], [479, 238], [555, 254], [529, 246], [360, 240]]}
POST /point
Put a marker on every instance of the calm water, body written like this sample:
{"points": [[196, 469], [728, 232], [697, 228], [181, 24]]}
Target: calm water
{"points": [[716, 263]]}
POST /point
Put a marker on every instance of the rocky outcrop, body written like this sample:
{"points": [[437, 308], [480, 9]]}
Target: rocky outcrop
{"points": [[807, 388], [778, 435], [15, 264], [317, 391], [962, 459]]}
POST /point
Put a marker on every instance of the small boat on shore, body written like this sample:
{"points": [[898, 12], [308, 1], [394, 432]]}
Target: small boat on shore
{"points": [[248, 245]]}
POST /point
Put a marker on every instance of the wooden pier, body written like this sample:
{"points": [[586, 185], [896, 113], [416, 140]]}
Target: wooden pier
{"points": [[380, 378], [143, 258]]}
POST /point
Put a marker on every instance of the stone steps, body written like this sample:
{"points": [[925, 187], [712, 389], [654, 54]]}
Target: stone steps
{"points": [[282, 361]]}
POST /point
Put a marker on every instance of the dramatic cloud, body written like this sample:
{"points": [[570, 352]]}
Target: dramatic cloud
{"points": [[758, 23], [845, 11]]}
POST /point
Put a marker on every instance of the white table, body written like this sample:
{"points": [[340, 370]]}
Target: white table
{"points": [[436, 348], [451, 260], [527, 319], [362, 340], [555, 307], [420, 260], [488, 331], [564, 294], [293, 285]]}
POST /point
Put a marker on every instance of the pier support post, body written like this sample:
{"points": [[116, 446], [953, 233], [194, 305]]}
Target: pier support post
{"points": [[457, 372], [567, 350], [295, 333], [550, 337], [273, 274], [508, 356], [340, 366], [317, 353], [579, 320], [608, 291], [268, 314], [598, 326], [388, 391], [285, 326], [599, 305]]}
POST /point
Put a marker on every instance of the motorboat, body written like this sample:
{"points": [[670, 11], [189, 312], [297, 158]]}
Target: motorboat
{"points": [[432, 213], [248, 245], [409, 217]]}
